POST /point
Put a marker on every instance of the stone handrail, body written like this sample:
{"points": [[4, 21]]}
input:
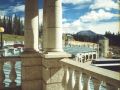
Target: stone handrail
{"points": [[78, 76], [9, 71]]}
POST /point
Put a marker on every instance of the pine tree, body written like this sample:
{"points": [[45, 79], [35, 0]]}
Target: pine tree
{"points": [[9, 25], [0, 21], [4, 23]]}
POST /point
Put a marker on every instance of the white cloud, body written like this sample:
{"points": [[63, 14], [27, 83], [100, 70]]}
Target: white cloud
{"points": [[113, 27], [105, 4], [18, 8], [95, 16], [75, 2], [99, 28], [74, 26], [13, 9]]}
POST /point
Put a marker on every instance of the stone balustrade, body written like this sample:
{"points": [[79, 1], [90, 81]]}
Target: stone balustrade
{"points": [[79, 76], [10, 72]]}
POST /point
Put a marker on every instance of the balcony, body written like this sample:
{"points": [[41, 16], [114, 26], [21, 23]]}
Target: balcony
{"points": [[74, 75], [79, 76]]}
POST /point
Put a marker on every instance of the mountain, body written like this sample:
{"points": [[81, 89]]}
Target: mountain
{"points": [[86, 33]]}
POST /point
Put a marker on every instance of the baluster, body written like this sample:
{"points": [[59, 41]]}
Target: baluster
{"points": [[111, 87], [73, 79], [2, 75], [78, 84], [86, 85], [70, 80], [97, 83], [65, 77], [13, 75]]}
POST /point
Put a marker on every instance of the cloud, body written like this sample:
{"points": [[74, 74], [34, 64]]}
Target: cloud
{"points": [[74, 27], [75, 2], [17, 8], [105, 4], [100, 28], [95, 16], [13, 9]]}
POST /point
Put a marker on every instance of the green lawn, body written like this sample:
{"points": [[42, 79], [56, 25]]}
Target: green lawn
{"points": [[9, 37]]}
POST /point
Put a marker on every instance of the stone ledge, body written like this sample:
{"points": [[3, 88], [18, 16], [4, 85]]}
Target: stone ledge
{"points": [[56, 55]]}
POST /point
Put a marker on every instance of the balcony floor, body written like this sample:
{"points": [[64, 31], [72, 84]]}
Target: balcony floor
{"points": [[12, 88]]}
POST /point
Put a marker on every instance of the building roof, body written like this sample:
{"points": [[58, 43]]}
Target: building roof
{"points": [[78, 49]]}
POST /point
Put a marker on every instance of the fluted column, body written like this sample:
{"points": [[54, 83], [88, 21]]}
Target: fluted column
{"points": [[31, 25], [52, 34]]}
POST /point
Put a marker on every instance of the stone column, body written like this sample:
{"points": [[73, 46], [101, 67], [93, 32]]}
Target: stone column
{"points": [[52, 72], [31, 25], [52, 23], [31, 59]]}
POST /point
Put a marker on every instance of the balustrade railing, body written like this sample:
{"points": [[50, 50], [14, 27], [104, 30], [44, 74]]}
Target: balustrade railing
{"points": [[80, 76], [10, 72]]}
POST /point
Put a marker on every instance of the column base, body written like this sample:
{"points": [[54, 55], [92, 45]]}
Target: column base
{"points": [[31, 71], [52, 71]]}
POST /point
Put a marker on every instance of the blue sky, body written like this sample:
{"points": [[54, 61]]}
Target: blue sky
{"points": [[96, 15]]}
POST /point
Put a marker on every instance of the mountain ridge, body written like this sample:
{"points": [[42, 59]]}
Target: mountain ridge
{"points": [[86, 33]]}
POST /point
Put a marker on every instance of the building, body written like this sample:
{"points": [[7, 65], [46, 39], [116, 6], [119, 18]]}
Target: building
{"points": [[104, 47], [81, 53]]}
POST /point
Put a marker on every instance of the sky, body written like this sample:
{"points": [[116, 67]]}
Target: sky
{"points": [[78, 15]]}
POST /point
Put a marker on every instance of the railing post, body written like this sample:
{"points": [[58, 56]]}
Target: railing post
{"points": [[13, 75], [73, 79], [97, 83], [78, 84], [65, 77], [86, 79], [70, 79], [2, 75]]}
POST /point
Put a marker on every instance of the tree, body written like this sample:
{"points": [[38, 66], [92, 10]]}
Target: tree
{"points": [[9, 26]]}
